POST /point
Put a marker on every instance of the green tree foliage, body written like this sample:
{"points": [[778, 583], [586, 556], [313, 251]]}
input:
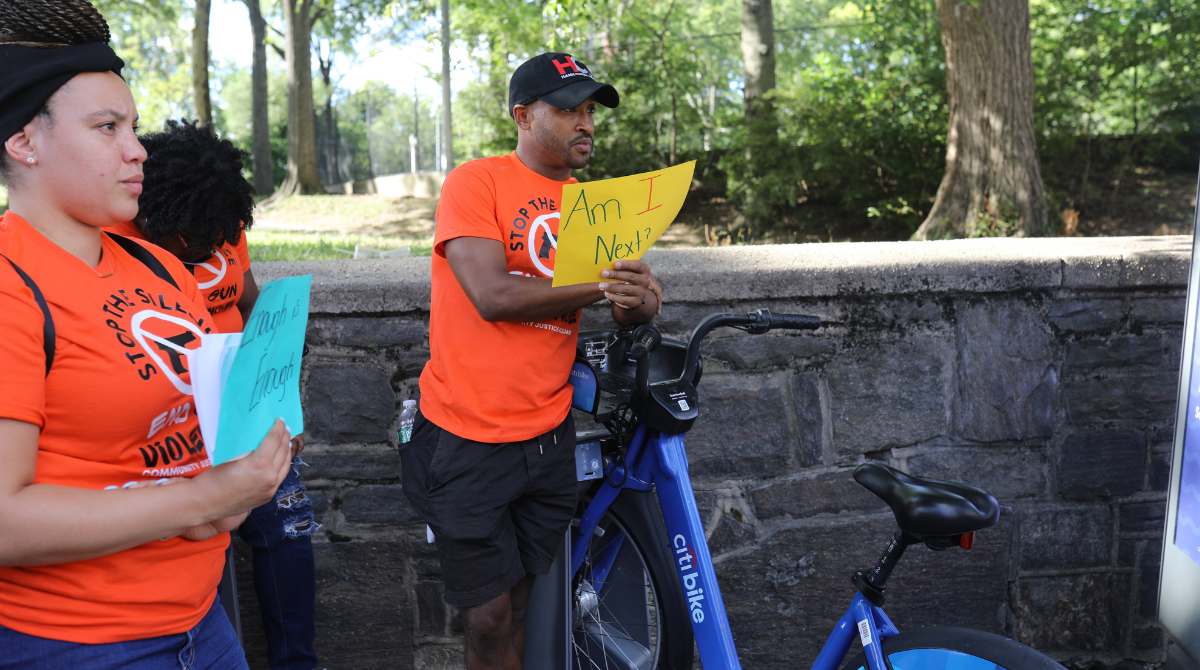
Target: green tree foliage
{"points": [[382, 146], [232, 112], [861, 98], [671, 73], [860, 101], [862, 115], [157, 55], [1117, 82]]}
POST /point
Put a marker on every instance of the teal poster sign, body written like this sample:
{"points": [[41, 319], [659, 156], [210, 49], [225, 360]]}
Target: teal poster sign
{"points": [[263, 382]]}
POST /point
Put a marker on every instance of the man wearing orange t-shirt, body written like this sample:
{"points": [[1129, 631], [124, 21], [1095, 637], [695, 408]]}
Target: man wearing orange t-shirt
{"points": [[490, 466]]}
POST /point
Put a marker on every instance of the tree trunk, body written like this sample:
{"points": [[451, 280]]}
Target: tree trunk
{"points": [[674, 119], [711, 125], [331, 143], [416, 127], [758, 50], [993, 182], [303, 177], [264, 172], [335, 141], [200, 93], [367, 107], [447, 118], [758, 55], [331, 148], [497, 73]]}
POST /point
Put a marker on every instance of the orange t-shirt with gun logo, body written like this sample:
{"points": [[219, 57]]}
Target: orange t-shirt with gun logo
{"points": [[114, 409], [508, 381], [221, 278]]}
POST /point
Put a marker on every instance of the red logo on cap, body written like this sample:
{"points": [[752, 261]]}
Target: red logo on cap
{"points": [[562, 67]]}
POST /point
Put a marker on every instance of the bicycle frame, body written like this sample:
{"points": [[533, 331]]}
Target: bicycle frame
{"points": [[659, 463]]}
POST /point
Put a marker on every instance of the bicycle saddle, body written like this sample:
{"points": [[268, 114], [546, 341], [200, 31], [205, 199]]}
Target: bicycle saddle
{"points": [[929, 507]]}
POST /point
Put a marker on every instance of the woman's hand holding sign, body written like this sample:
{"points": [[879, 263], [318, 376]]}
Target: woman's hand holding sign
{"points": [[236, 487], [257, 473], [100, 522]]}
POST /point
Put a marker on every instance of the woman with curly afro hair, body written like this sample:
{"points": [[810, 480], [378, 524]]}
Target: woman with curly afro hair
{"points": [[196, 204]]}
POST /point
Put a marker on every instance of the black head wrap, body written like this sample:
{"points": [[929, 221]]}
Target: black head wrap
{"points": [[32, 74]]}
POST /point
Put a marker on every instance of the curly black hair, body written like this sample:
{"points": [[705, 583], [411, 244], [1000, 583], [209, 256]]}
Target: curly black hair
{"points": [[194, 185]]}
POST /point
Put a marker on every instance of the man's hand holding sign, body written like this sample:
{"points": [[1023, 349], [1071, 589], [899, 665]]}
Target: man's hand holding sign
{"points": [[605, 222]]}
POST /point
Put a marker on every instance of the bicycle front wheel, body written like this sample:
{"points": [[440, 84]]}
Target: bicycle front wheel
{"points": [[945, 648], [629, 611]]}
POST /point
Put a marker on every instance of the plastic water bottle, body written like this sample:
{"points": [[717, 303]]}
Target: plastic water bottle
{"points": [[406, 421]]}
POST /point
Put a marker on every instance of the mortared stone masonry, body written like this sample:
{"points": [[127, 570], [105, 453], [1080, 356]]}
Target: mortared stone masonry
{"points": [[1043, 370]]}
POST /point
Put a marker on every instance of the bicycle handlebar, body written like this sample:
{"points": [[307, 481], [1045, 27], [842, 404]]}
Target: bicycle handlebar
{"points": [[795, 322], [756, 323], [646, 338]]}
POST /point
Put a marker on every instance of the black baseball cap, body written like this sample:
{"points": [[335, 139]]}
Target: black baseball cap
{"points": [[558, 79]]}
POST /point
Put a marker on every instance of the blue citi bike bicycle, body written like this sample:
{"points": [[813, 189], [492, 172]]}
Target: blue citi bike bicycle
{"points": [[634, 586]]}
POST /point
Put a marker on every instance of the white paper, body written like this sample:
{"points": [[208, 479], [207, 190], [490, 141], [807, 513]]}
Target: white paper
{"points": [[209, 366]]}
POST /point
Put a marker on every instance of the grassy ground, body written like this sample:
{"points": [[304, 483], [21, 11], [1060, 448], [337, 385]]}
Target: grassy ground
{"points": [[401, 219], [314, 227], [1146, 202], [284, 246]]}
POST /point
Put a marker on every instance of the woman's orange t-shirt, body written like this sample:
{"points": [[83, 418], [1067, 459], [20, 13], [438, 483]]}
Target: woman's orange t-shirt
{"points": [[115, 408], [221, 278], [497, 382]]}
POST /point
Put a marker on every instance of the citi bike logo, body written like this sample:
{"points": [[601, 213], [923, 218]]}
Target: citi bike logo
{"points": [[685, 558]]}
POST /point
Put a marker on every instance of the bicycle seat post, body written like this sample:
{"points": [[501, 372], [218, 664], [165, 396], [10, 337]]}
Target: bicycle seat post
{"points": [[873, 582]]}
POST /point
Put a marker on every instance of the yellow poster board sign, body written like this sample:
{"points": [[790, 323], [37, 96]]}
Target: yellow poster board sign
{"points": [[616, 219]]}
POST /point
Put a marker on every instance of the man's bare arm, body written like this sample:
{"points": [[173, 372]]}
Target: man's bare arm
{"points": [[481, 268], [626, 282]]}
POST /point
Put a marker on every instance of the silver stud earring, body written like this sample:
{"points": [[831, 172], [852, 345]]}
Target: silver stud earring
{"points": [[30, 160]]}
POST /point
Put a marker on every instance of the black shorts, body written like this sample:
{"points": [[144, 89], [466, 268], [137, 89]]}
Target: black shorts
{"points": [[498, 511]]}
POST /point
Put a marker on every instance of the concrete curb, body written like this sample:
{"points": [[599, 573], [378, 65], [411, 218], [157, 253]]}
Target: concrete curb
{"points": [[722, 274]]}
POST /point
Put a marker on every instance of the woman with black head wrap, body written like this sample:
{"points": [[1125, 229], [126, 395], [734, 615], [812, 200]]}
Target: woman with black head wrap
{"points": [[113, 524]]}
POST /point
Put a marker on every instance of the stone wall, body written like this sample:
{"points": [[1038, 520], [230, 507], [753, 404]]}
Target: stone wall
{"points": [[1041, 370]]}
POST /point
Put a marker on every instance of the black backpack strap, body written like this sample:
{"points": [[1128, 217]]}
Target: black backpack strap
{"points": [[47, 320], [148, 259]]}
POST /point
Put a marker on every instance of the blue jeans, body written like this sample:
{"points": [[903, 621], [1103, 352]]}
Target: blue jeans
{"points": [[210, 645], [284, 575]]}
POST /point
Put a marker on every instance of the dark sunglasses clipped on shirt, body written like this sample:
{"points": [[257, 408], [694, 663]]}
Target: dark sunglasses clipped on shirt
{"points": [[192, 252]]}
